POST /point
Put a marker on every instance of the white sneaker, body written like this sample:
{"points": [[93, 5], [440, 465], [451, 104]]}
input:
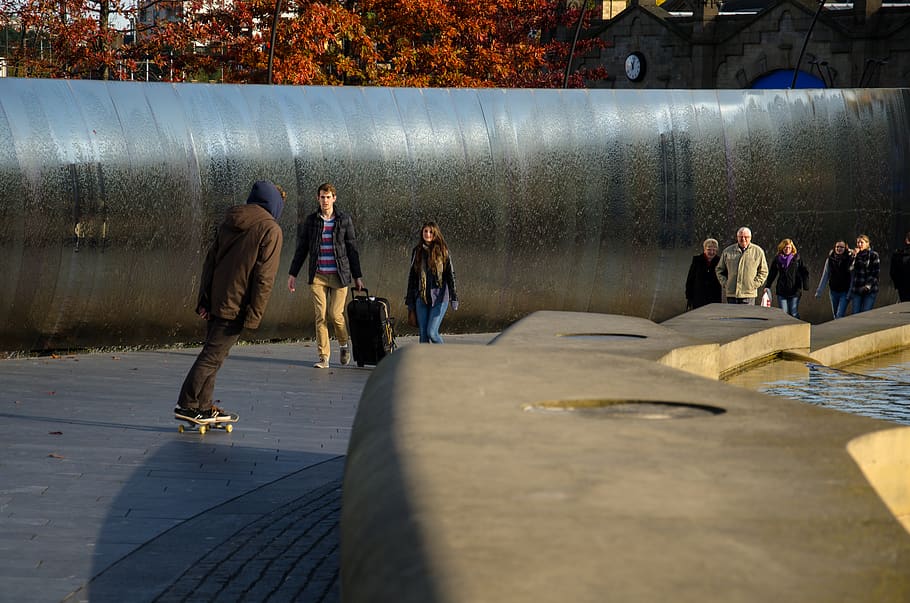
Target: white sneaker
{"points": [[323, 362]]}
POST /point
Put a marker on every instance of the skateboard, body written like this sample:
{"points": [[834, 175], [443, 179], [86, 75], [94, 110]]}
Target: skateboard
{"points": [[187, 424]]}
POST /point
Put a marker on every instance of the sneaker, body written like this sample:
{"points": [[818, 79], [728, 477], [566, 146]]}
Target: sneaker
{"points": [[219, 415], [345, 355], [323, 362], [191, 414]]}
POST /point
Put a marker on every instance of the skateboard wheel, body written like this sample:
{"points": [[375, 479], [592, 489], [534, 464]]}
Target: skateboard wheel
{"points": [[202, 429], [229, 428], [180, 428]]}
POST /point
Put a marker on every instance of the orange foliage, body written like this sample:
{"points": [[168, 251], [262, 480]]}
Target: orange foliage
{"points": [[426, 43]]}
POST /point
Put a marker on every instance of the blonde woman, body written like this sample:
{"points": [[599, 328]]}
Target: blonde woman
{"points": [[792, 277], [431, 283]]}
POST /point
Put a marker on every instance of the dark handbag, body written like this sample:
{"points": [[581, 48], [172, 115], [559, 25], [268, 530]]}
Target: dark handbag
{"points": [[412, 317]]}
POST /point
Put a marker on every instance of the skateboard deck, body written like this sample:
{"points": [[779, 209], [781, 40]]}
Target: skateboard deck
{"points": [[187, 424]]}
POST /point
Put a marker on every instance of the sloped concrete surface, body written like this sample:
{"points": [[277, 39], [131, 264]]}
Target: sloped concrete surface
{"points": [[543, 469], [552, 332], [872, 333], [745, 334]]}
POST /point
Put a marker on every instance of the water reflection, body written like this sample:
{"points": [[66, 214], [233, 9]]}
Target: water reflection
{"points": [[877, 388]]}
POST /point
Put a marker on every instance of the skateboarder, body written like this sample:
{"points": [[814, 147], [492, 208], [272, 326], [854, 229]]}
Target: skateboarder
{"points": [[237, 279]]}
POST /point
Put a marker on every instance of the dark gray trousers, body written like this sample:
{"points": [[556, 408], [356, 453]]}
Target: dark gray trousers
{"points": [[199, 385]]}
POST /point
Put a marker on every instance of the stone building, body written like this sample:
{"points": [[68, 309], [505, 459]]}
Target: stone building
{"points": [[703, 44]]}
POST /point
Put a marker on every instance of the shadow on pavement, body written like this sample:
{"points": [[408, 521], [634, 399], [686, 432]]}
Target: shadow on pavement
{"points": [[208, 519]]}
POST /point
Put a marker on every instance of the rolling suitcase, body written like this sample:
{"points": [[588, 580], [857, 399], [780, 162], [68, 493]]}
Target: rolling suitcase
{"points": [[371, 328]]}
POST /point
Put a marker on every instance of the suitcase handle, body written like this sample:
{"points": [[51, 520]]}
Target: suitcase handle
{"points": [[364, 291]]}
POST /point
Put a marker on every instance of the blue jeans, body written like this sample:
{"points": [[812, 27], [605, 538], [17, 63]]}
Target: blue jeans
{"points": [[790, 305], [863, 302], [839, 301], [429, 320]]}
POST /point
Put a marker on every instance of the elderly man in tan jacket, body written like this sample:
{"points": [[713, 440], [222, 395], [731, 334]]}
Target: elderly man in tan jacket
{"points": [[742, 269]]}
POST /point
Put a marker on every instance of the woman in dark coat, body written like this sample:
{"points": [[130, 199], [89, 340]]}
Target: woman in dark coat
{"points": [[865, 268], [702, 286], [792, 277], [431, 283], [838, 276]]}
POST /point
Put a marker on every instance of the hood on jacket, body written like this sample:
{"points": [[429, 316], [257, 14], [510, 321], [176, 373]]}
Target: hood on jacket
{"points": [[241, 218], [267, 195]]}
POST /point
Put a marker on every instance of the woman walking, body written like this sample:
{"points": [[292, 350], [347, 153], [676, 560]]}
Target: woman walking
{"points": [[702, 286], [865, 269], [431, 283], [837, 276], [792, 277]]}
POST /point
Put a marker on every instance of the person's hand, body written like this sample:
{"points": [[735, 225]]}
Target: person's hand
{"points": [[455, 304], [359, 283], [867, 288], [202, 312], [292, 283]]}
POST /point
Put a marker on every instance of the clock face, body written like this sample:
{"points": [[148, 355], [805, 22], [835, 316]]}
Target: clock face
{"points": [[635, 66]]}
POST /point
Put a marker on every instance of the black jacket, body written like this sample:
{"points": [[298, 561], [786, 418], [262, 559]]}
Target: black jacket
{"points": [[347, 256], [702, 286], [900, 270], [790, 280], [445, 287], [839, 275]]}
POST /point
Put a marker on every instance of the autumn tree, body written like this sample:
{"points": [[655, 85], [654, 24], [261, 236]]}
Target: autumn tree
{"points": [[471, 43], [63, 38], [458, 43]]}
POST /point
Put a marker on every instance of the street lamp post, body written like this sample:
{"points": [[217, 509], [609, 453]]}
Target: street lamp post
{"points": [[821, 5], [581, 17], [274, 37]]}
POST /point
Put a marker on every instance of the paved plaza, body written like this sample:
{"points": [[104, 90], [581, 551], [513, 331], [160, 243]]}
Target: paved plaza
{"points": [[101, 499]]}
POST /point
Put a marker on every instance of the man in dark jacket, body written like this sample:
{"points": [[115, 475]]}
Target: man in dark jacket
{"points": [[237, 280], [327, 237], [900, 270]]}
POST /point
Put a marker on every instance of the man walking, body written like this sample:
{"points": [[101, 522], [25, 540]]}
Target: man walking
{"points": [[742, 269], [237, 280], [900, 270], [327, 237]]}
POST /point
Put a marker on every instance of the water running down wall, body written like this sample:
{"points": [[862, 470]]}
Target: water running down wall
{"points": [[584, 200]]}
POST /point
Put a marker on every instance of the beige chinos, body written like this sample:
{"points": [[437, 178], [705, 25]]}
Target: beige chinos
{"points": [[329, 296]]}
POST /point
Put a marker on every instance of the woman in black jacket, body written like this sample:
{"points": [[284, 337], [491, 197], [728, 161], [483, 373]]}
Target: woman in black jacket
{"points": [[792, 277], [431, 283], [702, 286], [838, 277]]}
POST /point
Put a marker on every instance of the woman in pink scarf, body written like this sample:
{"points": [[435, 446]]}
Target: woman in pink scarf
{"points": [[792, 277]]}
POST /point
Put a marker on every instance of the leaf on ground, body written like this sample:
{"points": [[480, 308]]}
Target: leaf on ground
{"points": [[54, 455], [54, 433]]}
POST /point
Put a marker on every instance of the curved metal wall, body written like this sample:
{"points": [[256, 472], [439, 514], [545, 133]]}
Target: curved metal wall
{"points": [[589, 200]]}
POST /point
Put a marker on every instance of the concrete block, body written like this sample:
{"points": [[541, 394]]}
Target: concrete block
{"points": [[505, 473]]}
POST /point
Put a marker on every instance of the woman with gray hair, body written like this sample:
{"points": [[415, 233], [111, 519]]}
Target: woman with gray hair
{"points": [[702, 286]]}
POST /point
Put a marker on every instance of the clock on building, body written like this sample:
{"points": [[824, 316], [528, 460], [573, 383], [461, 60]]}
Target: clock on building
{"points": [[635, 66]]}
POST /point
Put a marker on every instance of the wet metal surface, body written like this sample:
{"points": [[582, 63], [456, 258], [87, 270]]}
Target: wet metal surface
{"points": [[582, 200]]}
